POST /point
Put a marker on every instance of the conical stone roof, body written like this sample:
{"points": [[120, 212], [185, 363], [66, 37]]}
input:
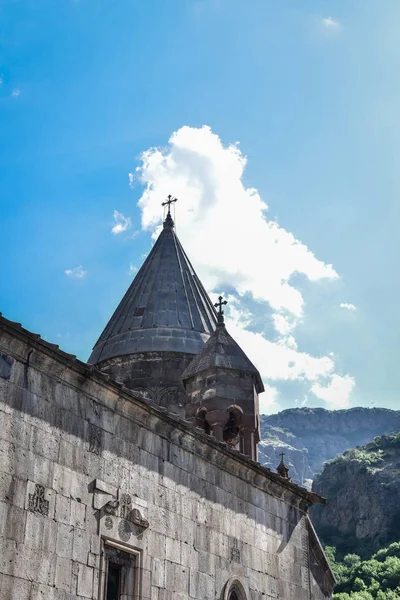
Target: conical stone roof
{"points": [[166, 308], [221, 350]]}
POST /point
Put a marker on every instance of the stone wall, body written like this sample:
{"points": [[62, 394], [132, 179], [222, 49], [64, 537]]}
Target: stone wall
{"points": [[84, 461]]}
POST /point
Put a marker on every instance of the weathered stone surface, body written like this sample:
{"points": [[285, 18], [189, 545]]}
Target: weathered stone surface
{"points": [[205, 514]]}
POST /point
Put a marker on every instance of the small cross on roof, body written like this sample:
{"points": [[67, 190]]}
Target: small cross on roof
{"points": [[221, 302]]}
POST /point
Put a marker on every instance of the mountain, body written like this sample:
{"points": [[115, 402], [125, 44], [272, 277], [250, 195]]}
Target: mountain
{"points": [[310, 437], [363, 491]]}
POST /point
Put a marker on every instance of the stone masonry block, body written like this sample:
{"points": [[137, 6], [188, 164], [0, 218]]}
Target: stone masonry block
{"points": [[156, 544], [78, 514], [14, 588], [63, 573], [8, 556], [62, 509], [173, 550], [158, 573], [34, 530], [6, 482], [64, 540], [81, 546], [201, 586], [85, 581], [15, 524]]}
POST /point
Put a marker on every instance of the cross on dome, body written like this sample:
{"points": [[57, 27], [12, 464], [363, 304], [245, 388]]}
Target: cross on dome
{"points": [[168, 202], [169, 223]]}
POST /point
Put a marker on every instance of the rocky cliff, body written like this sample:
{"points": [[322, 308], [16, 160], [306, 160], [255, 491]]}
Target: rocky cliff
{"points": [[312, 436], [363, 491]]}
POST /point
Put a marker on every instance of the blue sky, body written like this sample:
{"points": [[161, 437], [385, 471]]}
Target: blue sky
{"points": [[310, 90]]}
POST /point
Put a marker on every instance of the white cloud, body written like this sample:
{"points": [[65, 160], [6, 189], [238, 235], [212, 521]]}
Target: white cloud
{"points": [[244, 249], [276, 361], [301, 403], [268, 400], [245, 253], [283, 324], [132, 270], [348, 306], [131, 179], [337, 392], [15, 93], [77, 272], [121, 223], [331, 24]]}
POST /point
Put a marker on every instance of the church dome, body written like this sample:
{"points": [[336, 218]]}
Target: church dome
{"points": [[166, 308]]}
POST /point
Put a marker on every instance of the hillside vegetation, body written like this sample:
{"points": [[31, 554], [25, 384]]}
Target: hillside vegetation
{"points": [[377, 578]]}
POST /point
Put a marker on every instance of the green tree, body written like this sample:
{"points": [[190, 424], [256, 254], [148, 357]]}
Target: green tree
{"points": [[388, 595], [361, 596], [392, 550], [351, 560], [359, 585]]}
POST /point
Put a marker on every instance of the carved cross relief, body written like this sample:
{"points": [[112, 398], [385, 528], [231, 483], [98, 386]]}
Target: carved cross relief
{"points": [[37, 501], [95, 438]]}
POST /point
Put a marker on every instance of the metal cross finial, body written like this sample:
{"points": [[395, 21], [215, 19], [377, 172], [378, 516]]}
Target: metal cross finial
{"points": [[168, 202], [282, 454], [219, 305]]}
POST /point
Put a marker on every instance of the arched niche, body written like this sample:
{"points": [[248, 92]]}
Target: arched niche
{"points": [[234, 590], [232, 429], [201, 420]]}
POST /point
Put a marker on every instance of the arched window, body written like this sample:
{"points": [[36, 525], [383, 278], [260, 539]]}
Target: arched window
{"points": [[234, 590]]}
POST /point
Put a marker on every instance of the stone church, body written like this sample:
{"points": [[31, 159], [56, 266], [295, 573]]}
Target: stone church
{"points": [[135, 476]]}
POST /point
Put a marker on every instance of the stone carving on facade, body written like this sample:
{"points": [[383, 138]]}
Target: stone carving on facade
{"points": [[138, 519], [125, 504], [37, 501], [235, 552], [124, 530], [119, 505], [111, 508], [95, 438], [161, 396]]}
